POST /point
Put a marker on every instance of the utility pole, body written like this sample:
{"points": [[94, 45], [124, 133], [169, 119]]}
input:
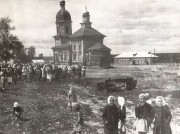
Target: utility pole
{"points": [[154, 56]]}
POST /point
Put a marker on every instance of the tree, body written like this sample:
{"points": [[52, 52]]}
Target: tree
{"points": [[10, 45], [31, 51], [41, 56], [27, 54]]}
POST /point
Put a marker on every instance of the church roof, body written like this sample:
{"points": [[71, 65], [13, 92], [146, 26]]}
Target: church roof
{"points": [[63, 15], [99, 46], [87, 32], [62, 46]]}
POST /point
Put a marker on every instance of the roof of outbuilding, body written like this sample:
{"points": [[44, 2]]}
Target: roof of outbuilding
{"points": [[87, 32], [135, 55], [99, 46]]}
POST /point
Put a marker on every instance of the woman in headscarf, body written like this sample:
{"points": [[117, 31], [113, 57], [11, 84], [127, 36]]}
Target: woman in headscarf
{"points": [[162, 117], [121, 114], [110, 117], [143, 112]]}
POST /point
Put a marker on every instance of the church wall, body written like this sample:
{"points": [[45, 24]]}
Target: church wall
{"points": [[62, 56], [90, 41], [99, 58], [87, 43], [77, 51]]}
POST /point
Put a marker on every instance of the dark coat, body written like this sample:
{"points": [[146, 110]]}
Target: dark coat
{"points": [[122, 113], [144, 112], [163, 118], [110, 115]]}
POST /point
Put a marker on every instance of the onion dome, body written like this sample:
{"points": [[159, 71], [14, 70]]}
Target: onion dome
{"points": [[63, 15]]}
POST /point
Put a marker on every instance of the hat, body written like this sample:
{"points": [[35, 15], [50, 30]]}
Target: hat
{"points": [[109, 98], [141, 96], [121, 101], [163, 100], [16, 104]]}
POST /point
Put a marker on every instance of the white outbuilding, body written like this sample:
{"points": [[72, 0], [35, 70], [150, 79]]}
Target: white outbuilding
{"points": [[38, 61], [135, 58]]}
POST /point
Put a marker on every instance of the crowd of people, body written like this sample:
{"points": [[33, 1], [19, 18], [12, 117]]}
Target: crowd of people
{"points": [[156, 117], [11, 73], [148, 116]]}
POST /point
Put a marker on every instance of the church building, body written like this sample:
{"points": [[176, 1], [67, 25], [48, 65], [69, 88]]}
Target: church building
{"points": [[83, 47]]}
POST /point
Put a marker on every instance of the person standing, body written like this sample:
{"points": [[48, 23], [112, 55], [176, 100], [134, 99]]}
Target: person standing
{"points": [[121, 115], [24, 72], [3, 77], [49, 73], [143, 112], [9, 72], [72, 99], [162, 117], [110, 117], [83, 71], [15, 75], [79, 120], [17, 110], [44, 73]]}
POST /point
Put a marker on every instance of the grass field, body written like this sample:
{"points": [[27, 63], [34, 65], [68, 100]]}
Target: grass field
{"points": [[45, 104]]}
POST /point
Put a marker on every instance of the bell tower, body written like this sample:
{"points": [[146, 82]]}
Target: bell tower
{"points": [[86, 20], [63, 24]]}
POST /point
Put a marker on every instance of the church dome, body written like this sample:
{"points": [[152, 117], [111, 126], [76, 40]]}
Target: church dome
{"points": [[63, 15]]}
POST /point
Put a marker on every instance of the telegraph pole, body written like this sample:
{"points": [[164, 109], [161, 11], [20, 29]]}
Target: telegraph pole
{"points": [[154, 55]]}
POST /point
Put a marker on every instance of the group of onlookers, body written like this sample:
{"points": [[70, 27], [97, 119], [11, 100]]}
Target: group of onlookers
{"points": [[155, 116], [39, 72], [148, 115]]}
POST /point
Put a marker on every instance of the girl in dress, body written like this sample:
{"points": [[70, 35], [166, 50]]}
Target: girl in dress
{"points": [[72, 99], [79, 120], [143, 112]]}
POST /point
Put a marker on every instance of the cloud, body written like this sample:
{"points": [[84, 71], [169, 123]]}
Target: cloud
{"points": [[128, 25]]}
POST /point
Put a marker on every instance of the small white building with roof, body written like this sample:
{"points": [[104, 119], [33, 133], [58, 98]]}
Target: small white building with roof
{"points": [[135, 58]]}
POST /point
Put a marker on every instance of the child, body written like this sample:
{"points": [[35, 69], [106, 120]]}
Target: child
{"points": [[17, 110], [79, 120], [72, 99]]}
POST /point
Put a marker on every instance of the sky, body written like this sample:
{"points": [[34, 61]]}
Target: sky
{"points": [[130, 25]]}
